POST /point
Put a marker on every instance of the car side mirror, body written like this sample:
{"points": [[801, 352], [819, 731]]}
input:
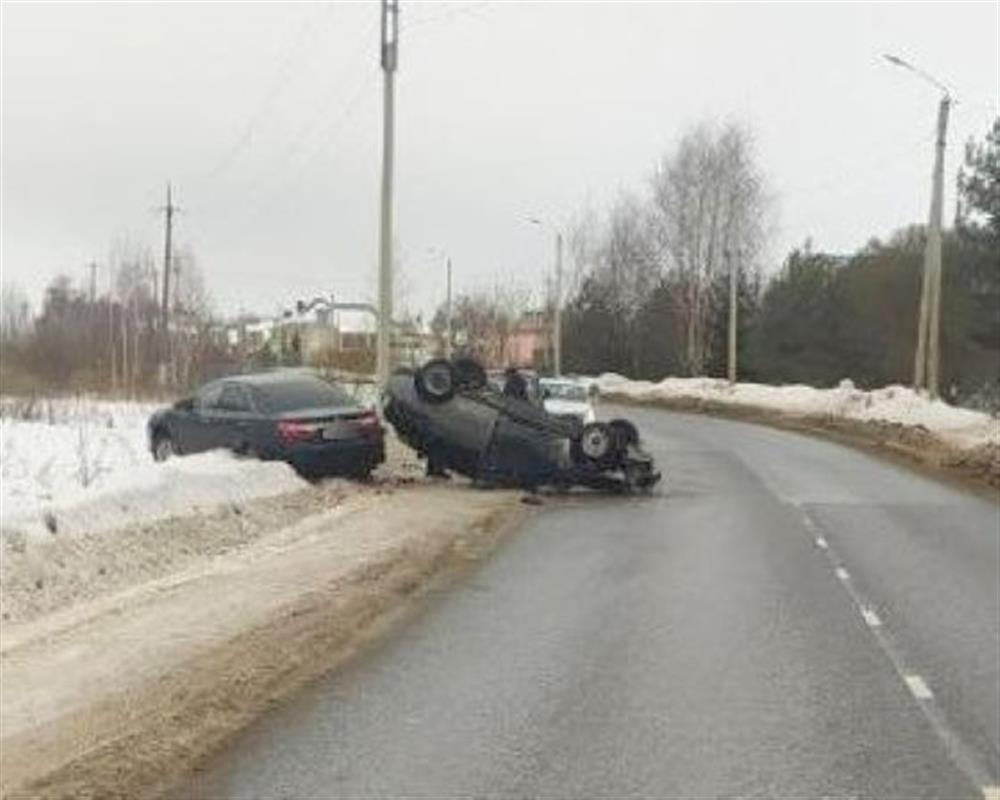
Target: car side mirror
{"points": [[546, 394], [186, 404]]}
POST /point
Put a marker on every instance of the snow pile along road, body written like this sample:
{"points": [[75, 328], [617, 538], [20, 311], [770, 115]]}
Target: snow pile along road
{"points": [[895, 405], [73, 465]]}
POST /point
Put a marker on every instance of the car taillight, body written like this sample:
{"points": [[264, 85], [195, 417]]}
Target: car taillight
{"points": [[293, 431], [368, 420]]}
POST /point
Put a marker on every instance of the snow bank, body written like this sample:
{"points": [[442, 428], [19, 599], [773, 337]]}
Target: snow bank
{"points": [[75, 464], [959, 427]]}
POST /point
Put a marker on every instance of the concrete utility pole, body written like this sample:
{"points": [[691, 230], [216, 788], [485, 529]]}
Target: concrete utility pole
{"points": [[448, 339], [932, 253], [733, 286], [389, 54], [926, 367]]}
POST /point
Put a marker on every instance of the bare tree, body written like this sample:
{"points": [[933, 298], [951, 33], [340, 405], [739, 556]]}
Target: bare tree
{"points": [[710, 204]]}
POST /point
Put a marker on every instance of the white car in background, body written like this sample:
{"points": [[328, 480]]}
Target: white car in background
{"points": [[567, 398]]}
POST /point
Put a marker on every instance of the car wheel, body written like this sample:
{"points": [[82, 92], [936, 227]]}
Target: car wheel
{"points": [[595, 444], [435, 381], [163, 447], [626, 434], [469, 373]]}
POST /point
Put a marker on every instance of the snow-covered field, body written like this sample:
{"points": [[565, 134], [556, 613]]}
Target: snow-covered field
{"points": [[77, 464], [959, 427]]}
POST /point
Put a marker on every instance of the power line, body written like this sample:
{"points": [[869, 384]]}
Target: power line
{"points": [[288, 54]]}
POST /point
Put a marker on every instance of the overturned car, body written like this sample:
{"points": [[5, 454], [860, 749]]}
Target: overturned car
{"points": [[450, 414]]}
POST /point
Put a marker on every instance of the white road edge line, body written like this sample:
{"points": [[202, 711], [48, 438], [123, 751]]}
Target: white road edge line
{"points": [[991, 793], [821, 543], [843, 574], [918, 688]]}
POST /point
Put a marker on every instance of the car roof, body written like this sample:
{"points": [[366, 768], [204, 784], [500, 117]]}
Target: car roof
{"points": [[271, 378]]}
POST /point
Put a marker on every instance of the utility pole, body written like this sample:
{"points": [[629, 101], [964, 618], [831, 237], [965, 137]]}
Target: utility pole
{"points": [[389, 54], [169, 209], [932, 254], [557, 345], [926, 367], [448, 339], [733, 285], [92, 266]]}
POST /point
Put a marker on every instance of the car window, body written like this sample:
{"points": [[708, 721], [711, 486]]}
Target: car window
{"points": [[566, 391], [209, 396], [235, 398], [300, 393]]}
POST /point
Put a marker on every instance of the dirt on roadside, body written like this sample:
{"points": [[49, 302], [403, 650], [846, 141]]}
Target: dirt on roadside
{"points": [[977, 468]]}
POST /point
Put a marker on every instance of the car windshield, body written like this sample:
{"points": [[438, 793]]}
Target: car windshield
{"points": [[565, 391], [301, 393]]}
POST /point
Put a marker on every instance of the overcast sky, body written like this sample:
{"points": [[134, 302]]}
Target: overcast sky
{"points": [[267, 119]]}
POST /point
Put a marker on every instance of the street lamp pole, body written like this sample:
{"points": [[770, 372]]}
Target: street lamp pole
{"points": [[926, 367]]}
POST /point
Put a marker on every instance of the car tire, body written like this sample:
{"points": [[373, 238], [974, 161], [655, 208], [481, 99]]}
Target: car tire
{"points": [[469, 374], [626, 434], [596, 444], [435, 381], [163, 447]]}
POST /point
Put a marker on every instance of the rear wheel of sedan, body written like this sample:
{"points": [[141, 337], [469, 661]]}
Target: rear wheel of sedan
{"points": [[435, 381], [163, 447]]}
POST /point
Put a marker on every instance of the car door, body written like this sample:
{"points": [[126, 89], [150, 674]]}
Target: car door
{"points": [[235, 419], [194, 433]]}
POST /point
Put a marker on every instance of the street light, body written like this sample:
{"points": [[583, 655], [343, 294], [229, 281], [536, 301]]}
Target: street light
{"points": [[557, 333], [926, 368], [448, 334]]}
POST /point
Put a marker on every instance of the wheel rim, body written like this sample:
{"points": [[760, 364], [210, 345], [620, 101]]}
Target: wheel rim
{"points": [[438, 381], [164, 449], [594, 443]]}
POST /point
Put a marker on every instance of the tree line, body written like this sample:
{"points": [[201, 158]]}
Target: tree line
{"points": [[652, 294], [109, 337]]}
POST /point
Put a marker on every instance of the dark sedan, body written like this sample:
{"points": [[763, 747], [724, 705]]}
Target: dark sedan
{"points": [[290, 416]]}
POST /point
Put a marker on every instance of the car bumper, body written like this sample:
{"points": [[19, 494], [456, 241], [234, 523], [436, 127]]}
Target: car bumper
{"points": [[343, 457]]}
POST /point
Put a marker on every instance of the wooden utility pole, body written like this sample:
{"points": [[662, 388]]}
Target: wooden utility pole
{"points": [[448, 338], [169, 210]]}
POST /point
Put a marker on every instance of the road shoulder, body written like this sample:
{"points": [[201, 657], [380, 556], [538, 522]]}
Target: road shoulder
{"points": [[115, 697]]}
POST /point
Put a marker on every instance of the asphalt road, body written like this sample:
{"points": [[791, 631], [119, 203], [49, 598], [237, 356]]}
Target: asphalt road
{"points": [[787, 618]]}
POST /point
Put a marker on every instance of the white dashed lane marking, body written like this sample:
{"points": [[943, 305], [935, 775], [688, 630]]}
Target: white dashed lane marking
{"points": [[967, 760], [918, 687], [871, 618]]}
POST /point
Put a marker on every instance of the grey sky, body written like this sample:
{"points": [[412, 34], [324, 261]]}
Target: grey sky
{"points": [[267, 118]]}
